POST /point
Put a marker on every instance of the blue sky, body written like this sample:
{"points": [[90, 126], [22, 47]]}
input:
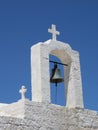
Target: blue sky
{"points": [[23, 23]]}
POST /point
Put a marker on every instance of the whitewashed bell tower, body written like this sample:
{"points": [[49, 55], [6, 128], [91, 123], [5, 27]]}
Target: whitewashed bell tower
{"points": [[40, 75], [40, 113]]}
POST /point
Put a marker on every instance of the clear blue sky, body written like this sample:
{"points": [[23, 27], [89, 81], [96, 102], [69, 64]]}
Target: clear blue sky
{"points": [[25, 22]]}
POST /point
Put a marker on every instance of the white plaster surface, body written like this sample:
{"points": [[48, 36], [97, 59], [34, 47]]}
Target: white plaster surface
{"points": [[40, 75], [2, 105], [54, 32], [14, 109], [41, 116]]}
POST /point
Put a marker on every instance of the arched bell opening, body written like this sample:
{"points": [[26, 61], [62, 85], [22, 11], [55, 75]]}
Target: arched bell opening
{"points": [[40, 73], [57, 85]]}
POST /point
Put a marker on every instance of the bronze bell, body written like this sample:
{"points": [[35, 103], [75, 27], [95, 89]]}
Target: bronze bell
{"points": [[56, 76]]}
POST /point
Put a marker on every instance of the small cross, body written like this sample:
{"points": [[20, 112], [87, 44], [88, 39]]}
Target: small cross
{"points": [[54, 32], [23, 91]]}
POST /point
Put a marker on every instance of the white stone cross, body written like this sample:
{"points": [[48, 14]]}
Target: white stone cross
{"points": [[54, 32], [23, 91]]}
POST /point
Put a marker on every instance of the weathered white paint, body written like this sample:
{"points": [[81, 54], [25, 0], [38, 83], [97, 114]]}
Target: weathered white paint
{"points": [[28, 115], [40, 75], [54, 32], [40, 114], [22, 91]]}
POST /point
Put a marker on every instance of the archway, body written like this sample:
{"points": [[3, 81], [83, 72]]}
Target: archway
{"points": [[64, 58], [40, 75], [57, 93]]}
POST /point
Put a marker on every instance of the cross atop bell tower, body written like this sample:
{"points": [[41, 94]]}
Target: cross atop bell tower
{"points": [[54, 32]]}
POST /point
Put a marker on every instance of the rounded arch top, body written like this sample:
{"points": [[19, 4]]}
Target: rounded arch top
{"points": [[59, 49], [57, 44]]}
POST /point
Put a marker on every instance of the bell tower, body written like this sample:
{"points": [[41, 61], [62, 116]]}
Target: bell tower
{"points": [[40, 75]]}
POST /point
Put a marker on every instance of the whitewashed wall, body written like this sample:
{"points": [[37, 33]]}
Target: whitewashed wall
{"points": [[40, 116]]}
